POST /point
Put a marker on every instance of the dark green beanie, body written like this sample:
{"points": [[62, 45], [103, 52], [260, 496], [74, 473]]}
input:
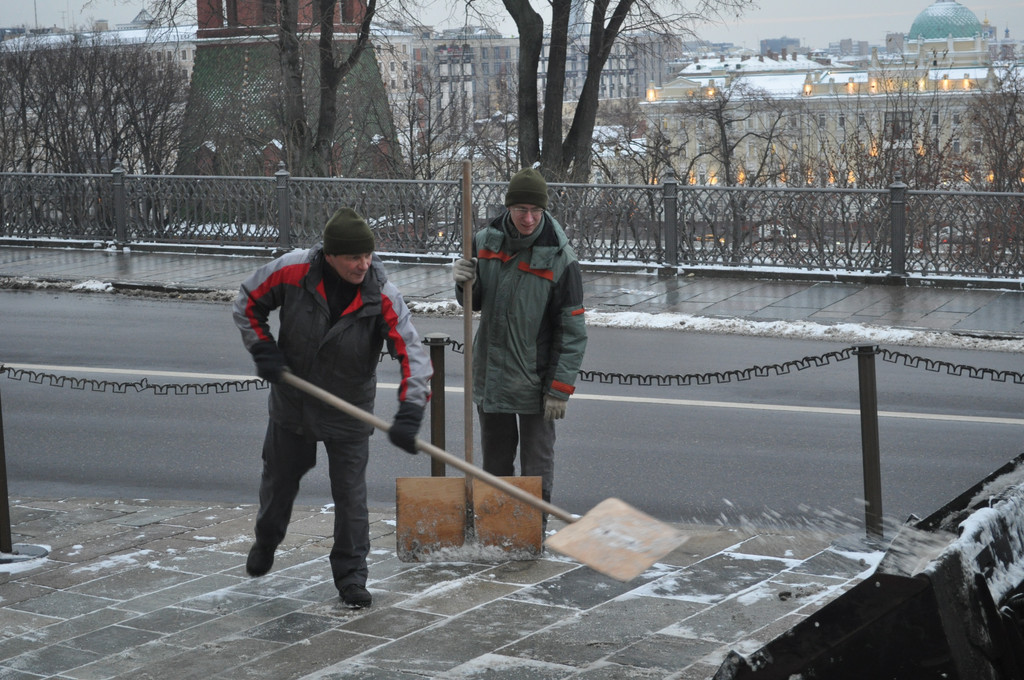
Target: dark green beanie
{"points": [[346, 233], [527, 186]]}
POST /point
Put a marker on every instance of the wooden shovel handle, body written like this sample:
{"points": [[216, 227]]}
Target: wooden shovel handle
{"points": [[428, 448]]}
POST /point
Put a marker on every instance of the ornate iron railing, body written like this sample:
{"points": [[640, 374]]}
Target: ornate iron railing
{"points": [[894, 231]]}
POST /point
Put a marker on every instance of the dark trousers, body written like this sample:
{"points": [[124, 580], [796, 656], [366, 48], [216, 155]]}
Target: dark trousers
{"points": [[287, 456], [502, 434]]}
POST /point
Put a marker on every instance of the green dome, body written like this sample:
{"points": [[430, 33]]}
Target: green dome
{"points": [[944, 18]]}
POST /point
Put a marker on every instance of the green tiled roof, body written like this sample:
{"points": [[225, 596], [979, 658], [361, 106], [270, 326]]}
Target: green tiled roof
{"points": [[944, 18]]}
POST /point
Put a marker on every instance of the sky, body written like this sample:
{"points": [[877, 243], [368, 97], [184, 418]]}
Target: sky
{"points": [[814, 22]]}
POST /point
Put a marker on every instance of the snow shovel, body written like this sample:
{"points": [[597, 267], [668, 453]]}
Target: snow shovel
{"points": [[613, 538], [438, 513]]}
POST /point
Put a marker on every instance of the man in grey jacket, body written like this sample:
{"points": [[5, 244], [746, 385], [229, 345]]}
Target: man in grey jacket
{"points": [[336, 309]]}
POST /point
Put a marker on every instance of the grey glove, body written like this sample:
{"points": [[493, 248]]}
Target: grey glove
{"points": [[554, 408], [464, 271]]}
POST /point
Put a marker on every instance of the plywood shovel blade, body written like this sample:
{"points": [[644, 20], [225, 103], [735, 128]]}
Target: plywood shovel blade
{"points": [[504, 522], [430, 516], [617, 540]]}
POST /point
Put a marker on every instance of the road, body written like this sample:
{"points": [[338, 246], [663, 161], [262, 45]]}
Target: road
{"points": [[778, 449]]}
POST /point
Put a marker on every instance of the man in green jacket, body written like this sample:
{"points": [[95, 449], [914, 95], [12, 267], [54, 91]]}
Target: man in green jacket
{"points": [[531, 336]]}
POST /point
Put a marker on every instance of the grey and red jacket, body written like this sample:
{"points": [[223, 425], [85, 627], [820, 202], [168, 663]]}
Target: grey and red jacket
{"points": [[340, 355], [531, 335]]}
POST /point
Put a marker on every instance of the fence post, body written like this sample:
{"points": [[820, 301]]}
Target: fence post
{"points": [[869, 439], [5, 506], [898, 227], [670, 209], [284, 217], [120, 219], [437, 342]]}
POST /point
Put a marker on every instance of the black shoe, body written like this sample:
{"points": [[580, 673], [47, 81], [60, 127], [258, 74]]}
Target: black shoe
{"points": [[356, 596], [260, 560]]}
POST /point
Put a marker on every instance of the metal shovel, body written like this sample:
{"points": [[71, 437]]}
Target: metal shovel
{"points": [[614, 538]]}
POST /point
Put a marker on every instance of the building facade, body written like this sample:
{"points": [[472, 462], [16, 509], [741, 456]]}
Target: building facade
{"points": [[818, 122]]}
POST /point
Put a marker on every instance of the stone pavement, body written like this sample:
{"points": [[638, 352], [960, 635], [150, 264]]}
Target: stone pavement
{"points": [[147, 589], [153, 590]]}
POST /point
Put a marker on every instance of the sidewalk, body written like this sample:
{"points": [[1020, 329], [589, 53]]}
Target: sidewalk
{"points": [[988, 310], [147, 589]]}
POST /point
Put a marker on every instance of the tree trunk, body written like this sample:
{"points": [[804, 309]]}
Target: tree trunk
{"points": [[552, 156], [297, 138], [531, 42], [332, 71]]}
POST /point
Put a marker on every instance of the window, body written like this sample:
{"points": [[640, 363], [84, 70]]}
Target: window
{"points": [[935, 120], [842, 120], [897, 125], [821, 120]]}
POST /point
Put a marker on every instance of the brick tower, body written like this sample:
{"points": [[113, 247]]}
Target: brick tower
{"points": [[234, 122]]}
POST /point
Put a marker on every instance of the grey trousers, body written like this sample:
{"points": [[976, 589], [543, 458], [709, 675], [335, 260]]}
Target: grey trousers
{"points": [[287, 456], [501, 434]]}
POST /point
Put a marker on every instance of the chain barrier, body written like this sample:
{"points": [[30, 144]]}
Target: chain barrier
{"points": [[934, 366], [601, 377], [716, 378], [176, 389]]}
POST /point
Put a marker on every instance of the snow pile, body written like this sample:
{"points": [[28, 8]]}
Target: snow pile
{"points": [[802, 330], [93, 286]]}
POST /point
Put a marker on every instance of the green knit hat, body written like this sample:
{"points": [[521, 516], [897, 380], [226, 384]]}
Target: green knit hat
{"points": [[527, 186], [346, 233]]}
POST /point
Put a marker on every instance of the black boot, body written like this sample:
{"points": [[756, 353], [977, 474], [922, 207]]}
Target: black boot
{"points": [[356, 596], [260, 560]]}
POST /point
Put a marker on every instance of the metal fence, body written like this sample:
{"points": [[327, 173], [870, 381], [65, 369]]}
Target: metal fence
{"points": [[896, 231]]}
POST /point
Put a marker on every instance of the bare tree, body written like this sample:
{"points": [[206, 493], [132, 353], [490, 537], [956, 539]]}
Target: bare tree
{"points": [[22, 93], [494, 151], [432, 127], [637, 148], [81, 105], [154, 93], [741, 135], [997, 118], [566, 154]]}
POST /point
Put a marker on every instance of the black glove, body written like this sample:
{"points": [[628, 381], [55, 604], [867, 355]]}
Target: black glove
{"points": [[402, 432], [270, 362]]}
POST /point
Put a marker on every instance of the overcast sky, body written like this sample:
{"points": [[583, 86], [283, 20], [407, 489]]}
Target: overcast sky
{"points": [[814, 22]]}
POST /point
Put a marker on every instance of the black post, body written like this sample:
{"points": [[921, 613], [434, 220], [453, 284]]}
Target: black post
{"points": [[5, 507], [869, 439], [437, 342], [120, 219], [670, 208], [898, 227], [284, 215]]}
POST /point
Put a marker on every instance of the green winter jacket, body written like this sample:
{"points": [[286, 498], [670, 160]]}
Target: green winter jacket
{"points": [[531, 334]]}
